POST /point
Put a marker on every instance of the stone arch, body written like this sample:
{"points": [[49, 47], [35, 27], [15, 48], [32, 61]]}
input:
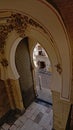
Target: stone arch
{"points": [[44, 41], [59, 37], [42, 38]]}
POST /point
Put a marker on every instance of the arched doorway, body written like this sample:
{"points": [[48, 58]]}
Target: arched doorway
{"points": [[36, 111], [23, 65], [59, 40], [43, 74]]}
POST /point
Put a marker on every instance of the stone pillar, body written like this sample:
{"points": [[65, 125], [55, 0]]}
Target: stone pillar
{"points": [[15, 93], [4, 100]]}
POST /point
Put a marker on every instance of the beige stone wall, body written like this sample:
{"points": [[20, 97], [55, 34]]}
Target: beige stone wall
{"points": [[61, 110], [4, 101]]}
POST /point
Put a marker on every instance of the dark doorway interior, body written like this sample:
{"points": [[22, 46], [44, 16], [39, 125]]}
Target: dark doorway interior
{"points": [[23, 64]]}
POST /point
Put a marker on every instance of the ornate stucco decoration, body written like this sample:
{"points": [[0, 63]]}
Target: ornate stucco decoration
{"points": [[35, 24], [3, 36], [20, 23], [16, 22], [58, 67], [4, 62]]}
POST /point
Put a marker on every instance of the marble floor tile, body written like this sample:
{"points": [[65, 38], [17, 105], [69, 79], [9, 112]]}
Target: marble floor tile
{"points": [[13, 127], [44, 129], [36, 126], [35, 114], [18, 123], [27, 125], [5, 126], [36, 117], [23, 119]]}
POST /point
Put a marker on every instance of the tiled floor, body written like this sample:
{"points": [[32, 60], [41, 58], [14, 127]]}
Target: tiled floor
{"points": [[36, 117]]}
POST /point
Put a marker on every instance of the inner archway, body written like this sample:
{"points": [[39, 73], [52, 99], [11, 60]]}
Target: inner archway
{"points": [[35, 108], [42, 73]]}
